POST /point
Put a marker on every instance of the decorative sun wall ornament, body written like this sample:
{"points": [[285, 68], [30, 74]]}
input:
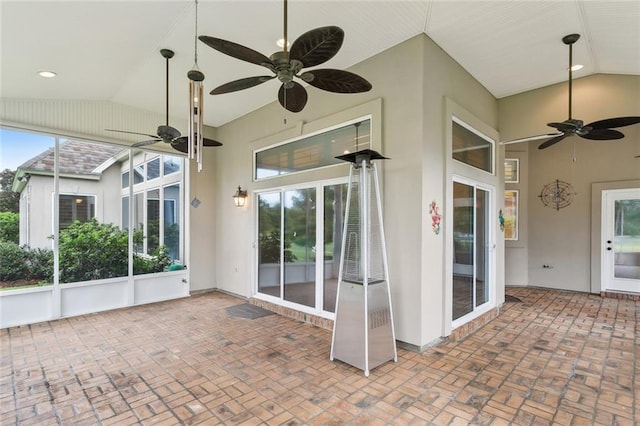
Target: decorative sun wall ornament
{"points": [[557, 195], [436, 218], [501, 220]]}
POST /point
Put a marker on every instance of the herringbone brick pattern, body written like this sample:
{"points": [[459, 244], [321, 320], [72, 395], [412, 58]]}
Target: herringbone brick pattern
{"points": [[557, 358]]}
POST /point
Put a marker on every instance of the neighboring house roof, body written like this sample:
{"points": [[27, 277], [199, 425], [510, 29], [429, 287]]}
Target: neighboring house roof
{"points": [[77, 159]]}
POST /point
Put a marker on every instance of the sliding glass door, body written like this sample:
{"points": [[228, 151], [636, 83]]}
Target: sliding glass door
{"points": [[471, 248], [299, 243]]}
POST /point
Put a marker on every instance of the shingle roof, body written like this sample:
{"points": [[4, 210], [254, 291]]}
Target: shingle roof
{"points": [[76, 157]]}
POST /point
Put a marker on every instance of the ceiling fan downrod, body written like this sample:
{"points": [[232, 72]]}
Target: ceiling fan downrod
{"points": [[570, 40]]}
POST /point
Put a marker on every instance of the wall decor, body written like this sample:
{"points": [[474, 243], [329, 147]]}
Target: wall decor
{"points": [[557, 195], [511, 170], [511, 214], [436, 217]]}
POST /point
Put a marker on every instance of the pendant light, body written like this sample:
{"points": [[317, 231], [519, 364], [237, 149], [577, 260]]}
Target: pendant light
{"points": [[196, 100]]}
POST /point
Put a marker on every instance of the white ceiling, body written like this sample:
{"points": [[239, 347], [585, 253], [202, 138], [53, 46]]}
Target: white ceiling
{"points": [[109, 50]]}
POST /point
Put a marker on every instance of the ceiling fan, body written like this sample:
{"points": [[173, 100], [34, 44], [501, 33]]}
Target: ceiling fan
{"points": [[312, 48], [597, 130], [166, 133]]}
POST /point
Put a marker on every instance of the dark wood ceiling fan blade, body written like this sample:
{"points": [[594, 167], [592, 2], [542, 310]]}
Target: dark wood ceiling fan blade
{"points": [[132, 133], [337, 81], [614, 122], [317, 46], [551, 141], [237, 51], [243, 83], [145, 143], [603, 135], [182, 143], [293, 98]]}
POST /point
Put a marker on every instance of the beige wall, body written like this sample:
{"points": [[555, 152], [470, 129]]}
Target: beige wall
{"points": [[562, 239]]}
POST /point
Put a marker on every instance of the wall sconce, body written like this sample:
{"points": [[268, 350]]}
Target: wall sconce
{"points": [[240, 197]]}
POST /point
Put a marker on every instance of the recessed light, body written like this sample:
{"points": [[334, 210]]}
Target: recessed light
{"points": [[47, 74], [577, 67]]}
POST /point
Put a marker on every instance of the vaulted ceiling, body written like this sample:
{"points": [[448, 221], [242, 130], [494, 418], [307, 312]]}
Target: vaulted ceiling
{"points": [[109, 50]]}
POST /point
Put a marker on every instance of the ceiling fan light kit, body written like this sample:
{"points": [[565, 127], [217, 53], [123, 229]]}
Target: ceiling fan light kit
{"points": [[597, 130], [312, 48]]}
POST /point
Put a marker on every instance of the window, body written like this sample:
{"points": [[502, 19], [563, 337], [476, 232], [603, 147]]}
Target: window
{"points": [[171, 164], [471, 147], [171, 231], [125, 180], [138, 174], [157, 204], [313, 151], [153, 169], [76, 207]]}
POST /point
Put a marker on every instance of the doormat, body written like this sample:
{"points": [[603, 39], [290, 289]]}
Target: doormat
{"points": [[247, 310], [512, 299]]}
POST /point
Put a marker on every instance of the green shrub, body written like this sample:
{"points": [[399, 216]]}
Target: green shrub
{"points": [[157, 262], [270, 248], [10, 227], [13, 266], [24, 263], [92, 250], [40, 264]]}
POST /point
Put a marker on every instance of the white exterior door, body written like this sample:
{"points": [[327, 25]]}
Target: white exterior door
{"points": [[621, 240]]}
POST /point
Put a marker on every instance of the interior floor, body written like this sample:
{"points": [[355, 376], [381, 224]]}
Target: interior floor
{"points": [[555, 358]]}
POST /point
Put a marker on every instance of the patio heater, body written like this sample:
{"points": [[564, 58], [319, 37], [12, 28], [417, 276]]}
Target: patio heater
{"points": [[363, 333]]}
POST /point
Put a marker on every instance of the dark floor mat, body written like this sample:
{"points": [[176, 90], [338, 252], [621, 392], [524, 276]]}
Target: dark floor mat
{"points": [[512, 299], [247, 310]]}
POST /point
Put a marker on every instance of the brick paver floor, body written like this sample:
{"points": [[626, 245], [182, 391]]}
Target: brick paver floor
{"points": [[556, 358]]}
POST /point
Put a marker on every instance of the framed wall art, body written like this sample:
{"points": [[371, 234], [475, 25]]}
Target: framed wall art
{"points": [[511, 170]]}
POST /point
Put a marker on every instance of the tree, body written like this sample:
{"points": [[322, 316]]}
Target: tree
{"points": [[9, 200], [9, 227]]}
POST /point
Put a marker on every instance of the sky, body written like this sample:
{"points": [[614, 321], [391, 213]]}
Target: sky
{"points": [[16, 147]]}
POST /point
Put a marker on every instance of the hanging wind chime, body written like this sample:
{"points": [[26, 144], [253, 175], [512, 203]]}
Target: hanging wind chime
{"points": [[196, 77]]}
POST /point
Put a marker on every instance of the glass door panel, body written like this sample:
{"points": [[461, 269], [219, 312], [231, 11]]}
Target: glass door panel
{"points": [[471, 248], [621, 240], [482, 247], [299, 251], [463, 253], [335, 198], [269, 248]]}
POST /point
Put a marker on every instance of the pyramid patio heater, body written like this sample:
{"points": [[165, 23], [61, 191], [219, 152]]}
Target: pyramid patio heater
{"points": [[363, 333]]}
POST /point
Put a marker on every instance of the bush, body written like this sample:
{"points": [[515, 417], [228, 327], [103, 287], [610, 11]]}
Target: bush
{"points": [[92, 250], [13, 266], [270, 248], [23, 263], [10, 227], [157, 262]]}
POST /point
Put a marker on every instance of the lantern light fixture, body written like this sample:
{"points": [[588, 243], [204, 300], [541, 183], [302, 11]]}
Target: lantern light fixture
{"points": [[240, 197]]}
